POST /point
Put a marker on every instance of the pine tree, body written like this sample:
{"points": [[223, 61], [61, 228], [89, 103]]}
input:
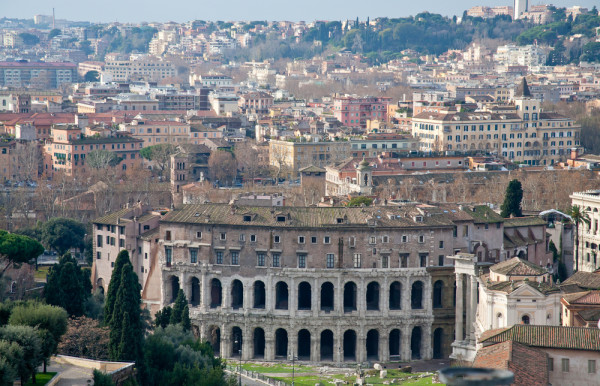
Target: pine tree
{"points": [[113, 287], [512, 200], [185, 318], [180, 303], [126, 324]]}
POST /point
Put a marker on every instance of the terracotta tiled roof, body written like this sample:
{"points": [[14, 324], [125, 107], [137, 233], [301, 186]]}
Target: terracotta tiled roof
{"points": [[588, 297], [583, 280], [518, 267], [571, 338]]}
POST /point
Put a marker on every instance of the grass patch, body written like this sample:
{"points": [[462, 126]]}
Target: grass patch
{"points": [[275, 368], [40, 274], [41, 379]]}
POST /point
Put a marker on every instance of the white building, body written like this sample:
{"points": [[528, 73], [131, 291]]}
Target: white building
{"points": [[520, 7], [588, 238]]}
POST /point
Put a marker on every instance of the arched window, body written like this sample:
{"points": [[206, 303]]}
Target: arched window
{"points": [[525, 319], [499, 320], [438, 288]]}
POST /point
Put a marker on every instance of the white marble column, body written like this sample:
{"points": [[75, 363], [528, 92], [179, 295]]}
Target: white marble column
{"points": [[459, 308], [405, 354], [468, 317], [473, 309]]}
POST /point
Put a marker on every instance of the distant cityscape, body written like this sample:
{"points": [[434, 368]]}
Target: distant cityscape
{"points": [[298, 202]]}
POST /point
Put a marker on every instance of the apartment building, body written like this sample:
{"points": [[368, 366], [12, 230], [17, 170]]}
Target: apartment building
{"points": [[68, 147], [588, 238], [121, 69], [355, 112], [521, 132], [158, 132], [37, 74], [257, 102], [290, 156], [374, 144]]}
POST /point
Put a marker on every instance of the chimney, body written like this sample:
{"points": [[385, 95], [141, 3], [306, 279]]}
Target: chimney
{"points": [[574, 153]]}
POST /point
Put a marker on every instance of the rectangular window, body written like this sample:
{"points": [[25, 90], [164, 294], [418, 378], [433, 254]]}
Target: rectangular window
{"points": [[98, 255], [169, 256], [385, 239], [404, 238], [168, 236], [260, 259], [219, 257], [466, 231], [591, 366], [276, 260], [330, 260], [313, 239], [550, 364], [112, 241], [223, 236], [301, 261], [372, 240], [193, 255], [357, 260], [276, 239], [565, 365], [423, 259], [198, 235], [252, 238], [404, 260], [441, 244], [242, 237], [300, 239], [385, 261], [326, 240], [99, 241], [121, 243], [441, 260], [421, 239], [235, 258], [352, 241]]}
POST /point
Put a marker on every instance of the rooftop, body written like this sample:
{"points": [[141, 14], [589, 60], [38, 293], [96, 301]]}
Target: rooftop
{"points": [[518, 267]]}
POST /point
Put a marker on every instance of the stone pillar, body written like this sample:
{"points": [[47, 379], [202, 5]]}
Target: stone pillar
{"points": [[405, 343], [427, 294], [473, 309], [361, 295], [248, 301], [226, 295], [315, 352], [315, 295], [426, 348], [459, 308], [361, 345], [204, 292], [405, 294], [384, 297], [467, 306], [292, 298], [338, 301], [225, 342], [338, 345], [269, 346], [384, 348], [269, 294]]}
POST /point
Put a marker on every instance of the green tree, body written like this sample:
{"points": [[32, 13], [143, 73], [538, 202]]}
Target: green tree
{"points": [[578, 216], [62, 234], [16, 250], [101, 379], [29, 39], [186, 323], [53, 33], [180, 303], [68, 286], [29, 339], [126, 335], [102, 159], [113, 286], [163, 317], [359, 201], [11, 360], [512, 200], [160, 155], [50, 321]]}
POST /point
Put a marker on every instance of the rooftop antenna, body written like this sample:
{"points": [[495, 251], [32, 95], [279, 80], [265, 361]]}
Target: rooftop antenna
{"points": [[53, 20]]}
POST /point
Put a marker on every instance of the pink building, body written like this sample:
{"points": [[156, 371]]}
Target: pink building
{"points": [[355, 112]]}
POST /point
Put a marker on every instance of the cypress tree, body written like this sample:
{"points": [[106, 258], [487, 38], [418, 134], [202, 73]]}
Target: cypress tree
{"points": [[71, 290], [512, 200], [113, 287], [180, 303], [185, 318], [126, 330]]}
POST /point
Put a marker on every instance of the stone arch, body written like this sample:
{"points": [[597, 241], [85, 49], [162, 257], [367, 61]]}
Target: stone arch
{"points": [[100, 285], [236, 341], [237, 294], [304, 296], [438, 291], [350, 296], [372, 345], [415, 343], [216, 293], [214, 338], [525, 319], [281, 296], [281, 343], [395, 296], [304, 344], [395, 340], [327, 297], [259, 294], [372, 296], [174, 287], [195, 291], [438, 343], [258, 339], [327, 345], [350, 345], [416, 295]]}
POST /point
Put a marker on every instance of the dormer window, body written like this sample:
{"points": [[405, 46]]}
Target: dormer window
{"points": [[340, 220], [418, 218], [280, 218], [247, 218]]}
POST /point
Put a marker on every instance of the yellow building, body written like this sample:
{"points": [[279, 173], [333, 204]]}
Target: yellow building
{"points": [[287, 156]]}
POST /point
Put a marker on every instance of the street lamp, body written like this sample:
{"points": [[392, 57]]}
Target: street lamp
{"points": [[240, 360], [293, 358]]}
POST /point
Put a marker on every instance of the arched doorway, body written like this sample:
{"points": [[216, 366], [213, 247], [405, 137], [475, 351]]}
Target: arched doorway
{"points": [[195, 293], [350, 345], [304, 345], [372, 296], [259, 294], [237, 295], [304, 296], [259, 343], [327, 345], [349, 297], [438, 289], [215, 293], [415, 343], [327, 297], [373, 345], [281, 343], [236, 341], [174, 288], [394, 344], [214, 337], [438, 343], [416, 296], [395, 295], [281, 296]]}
